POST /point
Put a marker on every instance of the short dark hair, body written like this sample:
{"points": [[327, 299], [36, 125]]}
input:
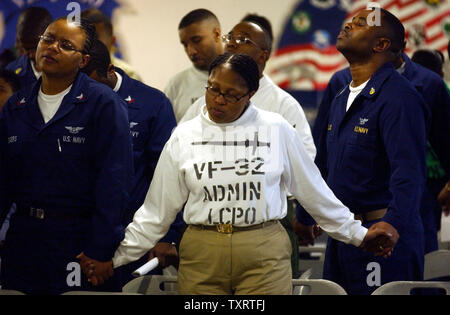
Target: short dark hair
{"points": [[440, 54], [99, 61], [244, 65], [11, 78], [395, 31], [32, 22], [428, 59], [96, 16], [261, 21], [89, 30], [265, 25], [195, 16]]}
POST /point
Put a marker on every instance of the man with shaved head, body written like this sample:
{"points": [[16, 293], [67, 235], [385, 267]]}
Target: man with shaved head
{"points": [[374, 155], [434, 91], [200, 35]]}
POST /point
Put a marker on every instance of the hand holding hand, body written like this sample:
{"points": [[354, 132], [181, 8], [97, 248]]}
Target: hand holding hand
{"points": [[306, 235], [380, 239], [96, 271], [167, 254]]}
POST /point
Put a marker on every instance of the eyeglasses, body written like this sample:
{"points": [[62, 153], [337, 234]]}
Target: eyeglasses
{"points": [[63, 44], [239, 39], [227, 97]]}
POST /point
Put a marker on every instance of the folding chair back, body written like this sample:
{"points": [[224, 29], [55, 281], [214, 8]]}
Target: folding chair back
{"points": [[11, 292], [152, 285], [405, 287], [437, 265], [97, 293], [317, 287]]}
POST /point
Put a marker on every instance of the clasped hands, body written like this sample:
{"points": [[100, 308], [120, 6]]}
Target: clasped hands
{"points": [[380, 239], [97, 272]]}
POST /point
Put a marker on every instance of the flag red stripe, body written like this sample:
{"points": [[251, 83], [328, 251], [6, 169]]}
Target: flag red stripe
{"points": [[331, 50], [405, 4], [320, 67], [284, 84], [435, 37], [437, 19], [443, 48], [387, 6], [317, 85], [414, 15]]}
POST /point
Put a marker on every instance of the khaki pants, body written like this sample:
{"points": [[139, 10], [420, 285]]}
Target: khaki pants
{"points": [[245, 262]]}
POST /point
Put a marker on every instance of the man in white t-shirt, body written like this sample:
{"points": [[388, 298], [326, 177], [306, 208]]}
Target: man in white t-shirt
{"points": [[200, 36]]}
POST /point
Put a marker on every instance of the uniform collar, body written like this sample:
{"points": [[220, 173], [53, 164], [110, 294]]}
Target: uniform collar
{"points": [[376, 81], [124, 91], [265, 81], [247, 116], [411, 69], [78, 94], [118, 82], [22, 66]]}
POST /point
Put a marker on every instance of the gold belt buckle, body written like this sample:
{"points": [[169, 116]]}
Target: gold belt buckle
{"points": [[37, 213], [224, 228]]}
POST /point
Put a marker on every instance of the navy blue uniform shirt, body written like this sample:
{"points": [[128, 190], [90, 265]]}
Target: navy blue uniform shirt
{"points": [[22, 68], [152, 120], [375, 152], [80, 162], [427, 83]]}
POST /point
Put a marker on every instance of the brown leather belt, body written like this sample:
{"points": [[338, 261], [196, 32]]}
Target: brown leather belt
{"points": [[229, 229], [371, 215]]}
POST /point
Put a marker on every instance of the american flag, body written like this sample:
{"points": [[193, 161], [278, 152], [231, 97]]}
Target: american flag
{"points": [[427, 22], [306, 56]]}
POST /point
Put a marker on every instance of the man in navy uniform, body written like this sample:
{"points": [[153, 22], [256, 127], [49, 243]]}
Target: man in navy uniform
{"points": [[374, 158], [31, 24], [151, 120], [66, 162], [434, 91]]}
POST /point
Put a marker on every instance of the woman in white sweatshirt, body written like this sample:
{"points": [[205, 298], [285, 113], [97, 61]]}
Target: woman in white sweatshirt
{"points": [[232, 165]]}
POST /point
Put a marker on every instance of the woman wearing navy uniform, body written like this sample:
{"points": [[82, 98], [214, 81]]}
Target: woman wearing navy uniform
{"points": [[66, 161]]}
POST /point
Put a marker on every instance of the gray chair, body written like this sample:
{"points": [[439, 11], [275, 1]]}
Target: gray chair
{"points": [[437, 265], [405, 287], [152, 285], [11, 292], [307, 274], [97, 293], [312, 268], [317, 287]]}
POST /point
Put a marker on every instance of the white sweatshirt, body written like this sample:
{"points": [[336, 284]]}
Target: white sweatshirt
{"points": [[234, 173], [272, 98], [184, 89]]}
